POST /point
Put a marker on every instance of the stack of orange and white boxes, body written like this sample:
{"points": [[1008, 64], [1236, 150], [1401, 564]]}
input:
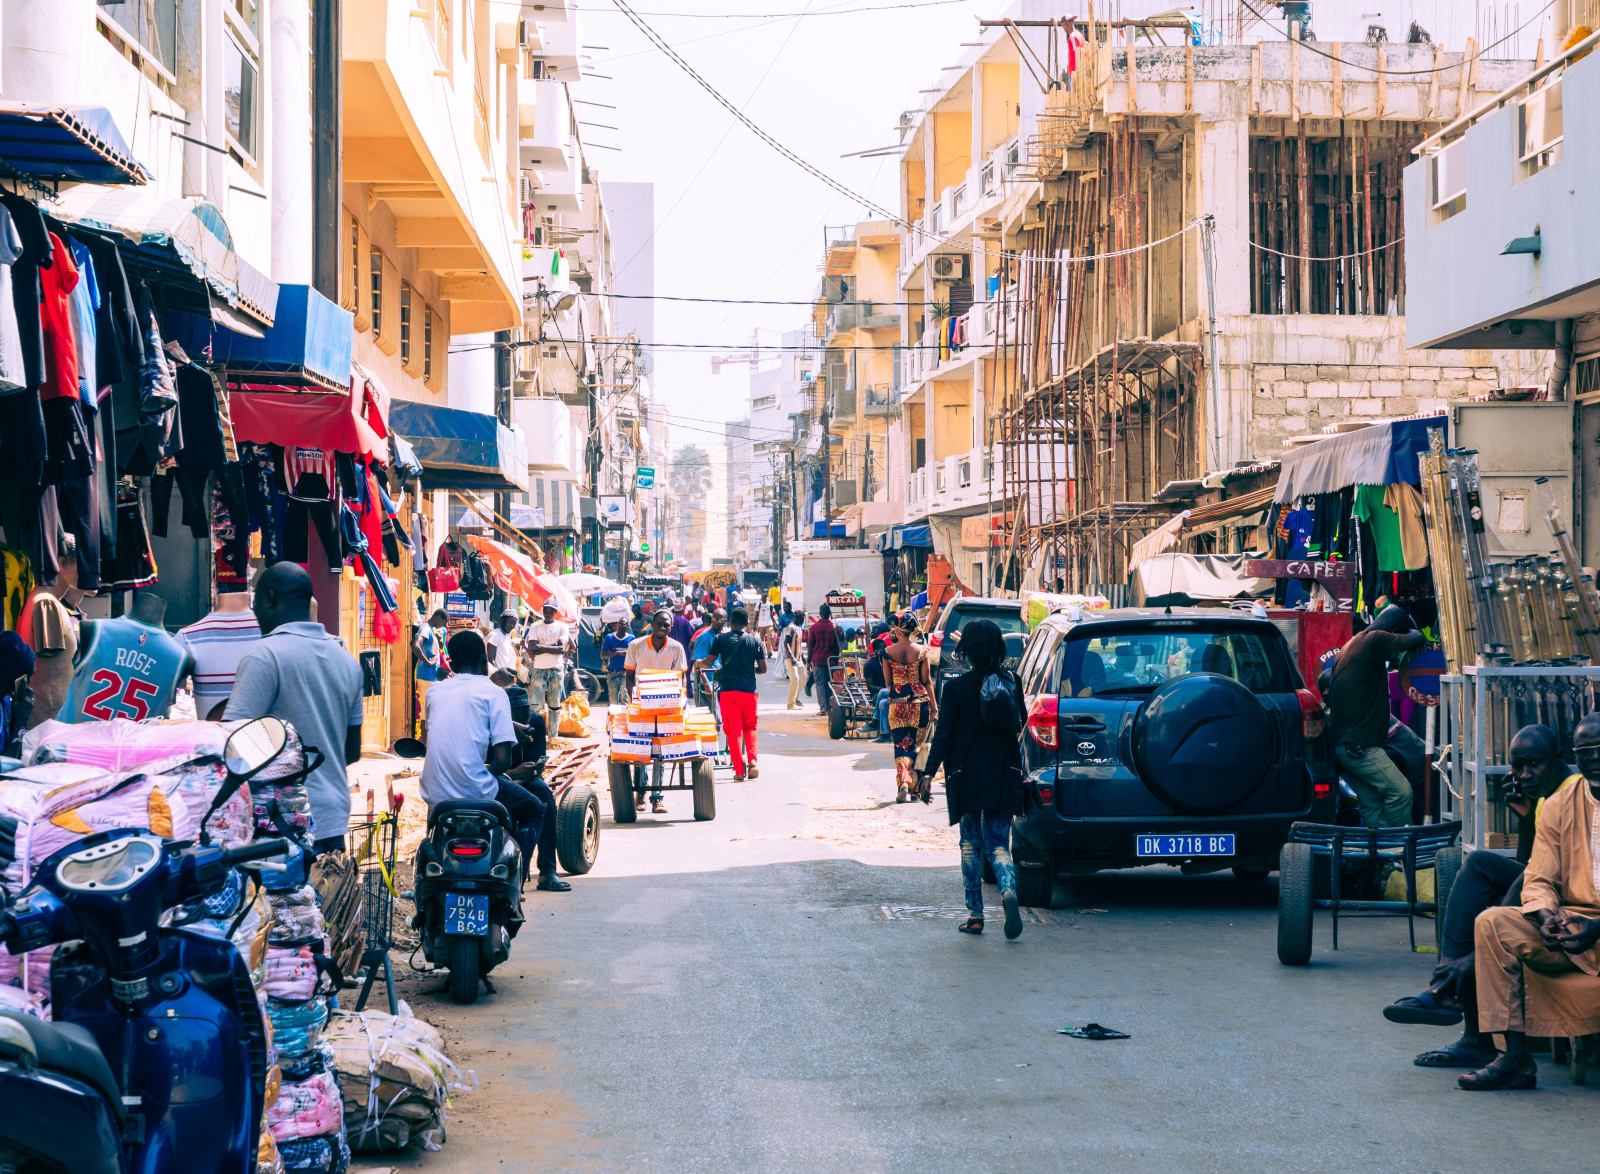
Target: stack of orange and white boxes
{"points": [[659, 705], [625, 746], [699, 723]]}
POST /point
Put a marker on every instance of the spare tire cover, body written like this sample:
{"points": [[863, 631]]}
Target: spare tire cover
{"points": [[1202, 743]]}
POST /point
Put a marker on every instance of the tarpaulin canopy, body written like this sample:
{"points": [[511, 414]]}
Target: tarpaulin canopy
{"points": [[268, 415], [1198, 576], [581, 583], [468, 450], [1384, 454], [67, 143], [901, 536], [515, 574], [184, 245], [308, 342]]}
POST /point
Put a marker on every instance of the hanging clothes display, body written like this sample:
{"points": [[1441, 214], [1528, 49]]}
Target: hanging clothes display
{"points": [[13, 376], [134, 564]]}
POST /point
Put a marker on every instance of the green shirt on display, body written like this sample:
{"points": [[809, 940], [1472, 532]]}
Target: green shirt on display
{"points": [[1385, 523]]}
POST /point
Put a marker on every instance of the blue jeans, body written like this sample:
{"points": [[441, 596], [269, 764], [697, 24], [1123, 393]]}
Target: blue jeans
{"points": [[545, 689], [986, 833], [883, 713]]}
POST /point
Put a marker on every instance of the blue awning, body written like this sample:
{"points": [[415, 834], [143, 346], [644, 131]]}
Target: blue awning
{"points": [[75, 143], [309, 342], [902, 536], [461, 450], [820, 530]]}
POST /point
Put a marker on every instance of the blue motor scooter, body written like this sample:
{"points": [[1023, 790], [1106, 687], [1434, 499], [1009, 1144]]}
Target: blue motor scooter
{"points": [[156, 1060]]}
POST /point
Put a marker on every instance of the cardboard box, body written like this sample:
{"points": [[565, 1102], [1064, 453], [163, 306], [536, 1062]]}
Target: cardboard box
{"points": [[677, 748], [659, 692], [628, 748]]}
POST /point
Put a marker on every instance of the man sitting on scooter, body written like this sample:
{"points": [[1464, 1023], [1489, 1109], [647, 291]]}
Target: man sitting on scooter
{"points": [[466, 723]]}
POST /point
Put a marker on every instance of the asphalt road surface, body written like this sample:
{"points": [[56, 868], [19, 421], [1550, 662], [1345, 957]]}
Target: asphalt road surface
{"points": [[784, 989]]}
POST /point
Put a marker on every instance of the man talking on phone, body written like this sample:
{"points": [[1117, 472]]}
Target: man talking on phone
{"points": [[1536, 965]]}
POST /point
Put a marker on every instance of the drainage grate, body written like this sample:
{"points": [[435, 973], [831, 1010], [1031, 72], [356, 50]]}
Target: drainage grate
{"points": [[955, 912]]}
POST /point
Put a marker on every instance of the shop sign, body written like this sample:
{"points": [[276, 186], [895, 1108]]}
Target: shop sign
{"points": [[614, 511], [983, 531], [644, 478], [457, 606]]}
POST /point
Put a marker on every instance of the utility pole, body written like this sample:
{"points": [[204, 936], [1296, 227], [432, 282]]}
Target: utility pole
{"points": [[327, 124], [1208, 232]]}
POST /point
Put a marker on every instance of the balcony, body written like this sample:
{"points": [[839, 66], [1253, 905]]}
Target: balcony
{"points": [[961, 483], [880, 399], [409, 136], [1498, 246]]}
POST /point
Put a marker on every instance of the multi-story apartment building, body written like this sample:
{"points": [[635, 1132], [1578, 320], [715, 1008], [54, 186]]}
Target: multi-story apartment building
{"points": [[1152, 248]]}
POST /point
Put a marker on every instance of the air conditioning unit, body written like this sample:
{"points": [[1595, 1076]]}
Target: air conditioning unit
{"points": [[522, 34], [527, 195], [949, 266], [844, 494]]}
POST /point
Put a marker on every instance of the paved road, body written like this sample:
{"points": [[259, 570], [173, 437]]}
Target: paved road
{"points": [[766, 993]]}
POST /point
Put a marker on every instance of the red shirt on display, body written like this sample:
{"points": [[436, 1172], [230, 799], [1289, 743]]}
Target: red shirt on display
{"points": [[55, 314]]}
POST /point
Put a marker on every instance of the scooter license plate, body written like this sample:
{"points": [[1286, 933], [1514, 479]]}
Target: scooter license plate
{"points": [[465, 913]]}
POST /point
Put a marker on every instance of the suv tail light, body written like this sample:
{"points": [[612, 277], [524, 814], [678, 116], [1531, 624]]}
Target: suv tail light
{"points": [[1042, 716], [1046, 793], [1312, 721], [468, 847]]}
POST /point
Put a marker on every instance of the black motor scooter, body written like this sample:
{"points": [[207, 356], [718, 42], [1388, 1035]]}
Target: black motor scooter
{"points": [[156, 1060], [467, 887]]}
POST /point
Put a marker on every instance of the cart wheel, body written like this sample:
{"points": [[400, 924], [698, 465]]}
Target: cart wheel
{"points": [[588, 683], [1294, 904], [1446, 867], [578, 829], [836, 728], [622, 808], [705, 790]]}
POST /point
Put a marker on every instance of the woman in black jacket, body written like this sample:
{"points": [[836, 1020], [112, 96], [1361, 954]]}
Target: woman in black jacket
{"points": [[982, 774]]}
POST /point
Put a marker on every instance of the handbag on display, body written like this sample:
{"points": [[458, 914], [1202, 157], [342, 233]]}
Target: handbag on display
{"points": [[444, 578]]}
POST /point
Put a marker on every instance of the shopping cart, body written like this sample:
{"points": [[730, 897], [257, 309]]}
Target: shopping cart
{"points": [[379, 841], [709, 690]]}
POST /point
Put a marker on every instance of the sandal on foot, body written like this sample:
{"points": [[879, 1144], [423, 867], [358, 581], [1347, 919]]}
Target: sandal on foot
{"points": [[1013, 917], [903, 797], [1498, 1074], [973, 925], [1424, 1008], [1455, 1056]]}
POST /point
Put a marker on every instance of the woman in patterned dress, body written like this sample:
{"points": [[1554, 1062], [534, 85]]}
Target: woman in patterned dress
{"points": [[911, 707]]}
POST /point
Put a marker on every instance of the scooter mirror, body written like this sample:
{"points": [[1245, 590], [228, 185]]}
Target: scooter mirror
{"points": [[410, 748], [253, 745]]}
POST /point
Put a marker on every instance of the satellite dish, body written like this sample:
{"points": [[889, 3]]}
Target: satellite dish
{"points": [[645, 364]]}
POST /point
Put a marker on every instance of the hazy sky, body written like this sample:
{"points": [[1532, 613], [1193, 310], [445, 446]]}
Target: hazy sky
{"points": [[733, 218]]}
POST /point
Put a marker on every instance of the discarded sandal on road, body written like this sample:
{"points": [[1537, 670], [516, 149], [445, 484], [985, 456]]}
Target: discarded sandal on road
{"points": [[1093, 1031], [1424, 1008]]}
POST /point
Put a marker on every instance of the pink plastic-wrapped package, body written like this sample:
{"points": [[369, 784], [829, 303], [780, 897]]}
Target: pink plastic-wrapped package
{"points": [[291, 973], [120, 744], [311, 1108], [25, 978]]}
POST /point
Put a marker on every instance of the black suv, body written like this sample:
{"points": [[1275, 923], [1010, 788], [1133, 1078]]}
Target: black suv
{"points": [[1181, 737], [945, 641]]}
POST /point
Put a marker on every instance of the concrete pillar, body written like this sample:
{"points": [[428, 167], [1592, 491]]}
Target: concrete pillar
{"points": [[288, 81], [929, 166], [1224, 175], [43, 49], [976, 154]]}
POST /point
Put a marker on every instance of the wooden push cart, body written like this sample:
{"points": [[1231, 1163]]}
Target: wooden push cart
{"points": [[630, 781]]}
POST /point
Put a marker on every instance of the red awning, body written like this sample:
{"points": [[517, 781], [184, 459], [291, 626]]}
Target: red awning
{"points": [[353, 422]]}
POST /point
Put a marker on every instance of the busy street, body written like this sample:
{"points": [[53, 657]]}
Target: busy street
{"points": [[784, 989]]}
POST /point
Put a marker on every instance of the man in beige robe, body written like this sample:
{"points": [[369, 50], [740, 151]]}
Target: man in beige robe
{"points": [[1537, 966]]}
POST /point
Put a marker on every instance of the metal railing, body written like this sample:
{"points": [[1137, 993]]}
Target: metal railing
{"points": [[1521, 90]]}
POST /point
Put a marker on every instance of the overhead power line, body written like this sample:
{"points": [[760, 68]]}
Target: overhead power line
{"points": [[787, 15]]}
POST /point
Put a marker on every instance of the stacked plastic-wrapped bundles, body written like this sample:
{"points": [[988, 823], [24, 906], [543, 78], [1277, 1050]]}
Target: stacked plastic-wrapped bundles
{"points": [[306, 1118], [52, 805], [120, 744], [395, 1077]]}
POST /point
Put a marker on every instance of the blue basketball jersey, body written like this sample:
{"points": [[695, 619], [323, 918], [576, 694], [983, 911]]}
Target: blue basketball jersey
{"points": [[128, 670]]}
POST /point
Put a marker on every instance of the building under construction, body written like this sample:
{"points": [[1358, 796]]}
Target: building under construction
{"points": [[1149, 262]]}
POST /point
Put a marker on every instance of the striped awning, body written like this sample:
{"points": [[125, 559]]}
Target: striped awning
{"points": [[72, 143]]}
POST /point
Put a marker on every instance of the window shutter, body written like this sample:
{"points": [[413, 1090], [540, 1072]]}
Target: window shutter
{"points": [[434, 346], [353, 280], [385, 304], [412, 328]]}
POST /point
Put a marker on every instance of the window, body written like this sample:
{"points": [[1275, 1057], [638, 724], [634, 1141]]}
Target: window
{"points": [[427, 344], [153, 24], [1130, 663], [1449, 174], [1539, 122], [241, 70], [439, 29], [377, 292], [405, 323]]}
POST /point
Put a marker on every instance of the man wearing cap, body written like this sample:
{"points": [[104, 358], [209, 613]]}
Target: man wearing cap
{"points": [[656, 651], [503, 653], [549, 641]]}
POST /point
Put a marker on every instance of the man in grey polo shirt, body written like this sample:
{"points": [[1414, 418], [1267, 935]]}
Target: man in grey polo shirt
{"points": [[299, 673]]}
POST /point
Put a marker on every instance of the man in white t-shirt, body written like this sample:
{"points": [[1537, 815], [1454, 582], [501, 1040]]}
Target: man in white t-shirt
{"points": [[655, 651], [466, 724], [548, 642], [503, 653]]}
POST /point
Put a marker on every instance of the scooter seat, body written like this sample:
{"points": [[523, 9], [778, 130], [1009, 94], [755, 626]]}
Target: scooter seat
{"points": [[70, 1050], [486, 806]]}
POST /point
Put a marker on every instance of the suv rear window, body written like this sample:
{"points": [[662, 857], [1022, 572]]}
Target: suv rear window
{"points": [[1003, 618], [1127, 663]]}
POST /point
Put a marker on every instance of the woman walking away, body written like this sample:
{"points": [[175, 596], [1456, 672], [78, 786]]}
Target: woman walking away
{"points": [[911, 707], [976, 741]]}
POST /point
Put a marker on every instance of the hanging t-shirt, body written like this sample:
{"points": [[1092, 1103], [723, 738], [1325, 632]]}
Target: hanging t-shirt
{"points": [[1406, 502], [13, 375], [55, 314], [1370, 508], [85, 305]]}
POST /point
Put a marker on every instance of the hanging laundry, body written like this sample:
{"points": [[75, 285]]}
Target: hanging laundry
{"points": [[13, 372], [55, 315], [85, 307], [119, 343], [38, 252]]}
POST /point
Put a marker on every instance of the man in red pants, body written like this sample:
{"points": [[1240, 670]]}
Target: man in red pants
{"points": [[743, 657]]}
